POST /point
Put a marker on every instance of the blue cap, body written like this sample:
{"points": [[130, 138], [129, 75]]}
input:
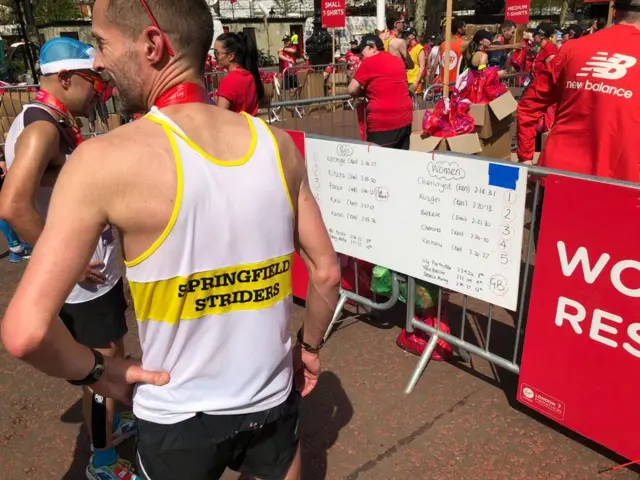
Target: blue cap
{"points": [[66, 54]]}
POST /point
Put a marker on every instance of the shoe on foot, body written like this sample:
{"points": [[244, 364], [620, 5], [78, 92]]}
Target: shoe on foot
{"points": [[17, 257], [126, 428], [121, 470]]}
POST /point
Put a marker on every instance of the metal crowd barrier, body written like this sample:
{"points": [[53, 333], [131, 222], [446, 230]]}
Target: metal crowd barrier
{"points": [[515, 80], [13, 98], [212, 80], [329, 116], [459, 343], [482, 348]]}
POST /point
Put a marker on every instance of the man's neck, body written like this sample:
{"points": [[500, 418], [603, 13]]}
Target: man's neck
{"points": [[631, 24], [53, 89], [170, 79]]}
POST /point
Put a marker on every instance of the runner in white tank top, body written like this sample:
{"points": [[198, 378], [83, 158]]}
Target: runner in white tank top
{"points": [[210, 205], [37, 146]]}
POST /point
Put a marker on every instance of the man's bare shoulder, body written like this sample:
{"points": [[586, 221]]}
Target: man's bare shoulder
{"points": [[137, 140], [292, 162], [286, 145]]}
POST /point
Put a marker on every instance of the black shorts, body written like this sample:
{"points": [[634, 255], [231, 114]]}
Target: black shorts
{"points": [[98, 322], [398, 139], [261, 444], [290, 81]]}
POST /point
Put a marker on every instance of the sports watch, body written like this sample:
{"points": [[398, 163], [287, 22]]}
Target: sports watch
{"points": [[306, 346], [96, 372]]}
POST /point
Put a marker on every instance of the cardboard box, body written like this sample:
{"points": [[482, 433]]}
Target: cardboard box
{"points": [[494, 118], [418, 116], [498, 147], [469, 143], [545, 137]]}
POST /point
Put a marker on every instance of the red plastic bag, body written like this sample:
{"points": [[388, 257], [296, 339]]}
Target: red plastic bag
{"points": [[448, 119], [482, 86], [360, 111], [417, 341], [348, 267]]}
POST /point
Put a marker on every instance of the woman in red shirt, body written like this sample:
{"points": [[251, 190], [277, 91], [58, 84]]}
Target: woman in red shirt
{"points": [[383, 80], [241, 90]]}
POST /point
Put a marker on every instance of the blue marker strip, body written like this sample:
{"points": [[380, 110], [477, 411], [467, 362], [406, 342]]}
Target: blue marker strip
{"points": [[504, 176]]}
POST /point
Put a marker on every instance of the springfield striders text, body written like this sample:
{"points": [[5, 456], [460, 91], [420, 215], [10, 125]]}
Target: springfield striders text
{"points": [[247, 285]]}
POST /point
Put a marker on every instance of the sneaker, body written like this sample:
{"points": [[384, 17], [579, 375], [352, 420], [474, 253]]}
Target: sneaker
{"points": [[17, 257], [121, 470], [27, 249], [126, 428]]}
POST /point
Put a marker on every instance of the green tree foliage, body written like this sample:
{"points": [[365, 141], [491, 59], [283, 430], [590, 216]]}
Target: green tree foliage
{"points": [[46, 11]]}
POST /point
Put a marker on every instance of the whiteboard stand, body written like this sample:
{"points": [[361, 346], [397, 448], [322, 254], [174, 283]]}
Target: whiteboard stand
{"points": [[346, 295]]}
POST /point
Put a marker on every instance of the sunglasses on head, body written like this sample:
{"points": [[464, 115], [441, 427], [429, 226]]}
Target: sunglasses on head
{"points": [[155, 24]]}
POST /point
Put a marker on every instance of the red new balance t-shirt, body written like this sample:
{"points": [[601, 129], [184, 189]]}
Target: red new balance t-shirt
{"points": [[384, 81], [595, 82], [239, 87]]}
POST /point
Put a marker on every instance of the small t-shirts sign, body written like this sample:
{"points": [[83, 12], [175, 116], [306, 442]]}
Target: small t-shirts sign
{"points": [[334, 13]]}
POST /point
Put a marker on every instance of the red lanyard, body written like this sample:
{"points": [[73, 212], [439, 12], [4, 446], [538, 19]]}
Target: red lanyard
{"points": [[181, 94], [46, 99]]}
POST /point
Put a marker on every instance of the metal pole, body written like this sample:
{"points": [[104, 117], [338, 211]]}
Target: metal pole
{"points": [[23, 30], [380, 15], [447, 50]]}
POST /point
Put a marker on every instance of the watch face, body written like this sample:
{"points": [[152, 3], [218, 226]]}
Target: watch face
{"points": [[98, 371]]}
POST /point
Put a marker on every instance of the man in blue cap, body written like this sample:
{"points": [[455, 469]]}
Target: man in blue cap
{"points": [[37, 145]]}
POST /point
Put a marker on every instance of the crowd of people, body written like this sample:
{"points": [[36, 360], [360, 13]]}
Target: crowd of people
{"points": [[208, 219]]}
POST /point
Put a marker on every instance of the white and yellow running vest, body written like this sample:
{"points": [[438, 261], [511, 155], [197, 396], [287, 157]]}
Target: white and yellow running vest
{"points": [[213, 294]]}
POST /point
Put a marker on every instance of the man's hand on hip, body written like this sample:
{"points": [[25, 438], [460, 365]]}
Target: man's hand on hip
{"points": [[122, 374], [93, 273]]}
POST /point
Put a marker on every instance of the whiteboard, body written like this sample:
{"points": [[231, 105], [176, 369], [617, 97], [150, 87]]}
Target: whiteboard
{"points": [[450, 220]]}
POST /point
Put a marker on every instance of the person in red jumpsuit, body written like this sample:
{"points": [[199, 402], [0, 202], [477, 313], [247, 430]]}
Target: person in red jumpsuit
{"points": [[595, 82]]}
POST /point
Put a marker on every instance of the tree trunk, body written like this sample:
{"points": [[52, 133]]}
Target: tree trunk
{"points": [[563, 12], [434, 19], [421, 8]]}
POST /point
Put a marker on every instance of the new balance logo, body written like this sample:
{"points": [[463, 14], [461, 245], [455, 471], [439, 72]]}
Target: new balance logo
{"points": [[610, 68]]}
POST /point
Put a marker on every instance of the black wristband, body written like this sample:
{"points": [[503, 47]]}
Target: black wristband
{"points": [[96, 372], [306, 346]]}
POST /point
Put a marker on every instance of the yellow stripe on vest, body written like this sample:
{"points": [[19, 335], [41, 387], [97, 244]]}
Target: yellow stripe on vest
{"points": [[238, 288]]}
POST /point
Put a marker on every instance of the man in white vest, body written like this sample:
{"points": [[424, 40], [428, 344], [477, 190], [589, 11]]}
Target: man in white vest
{"points": [[210, 206]]}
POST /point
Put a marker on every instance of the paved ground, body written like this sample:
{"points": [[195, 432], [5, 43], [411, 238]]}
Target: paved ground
{"points": [[460, 423]]}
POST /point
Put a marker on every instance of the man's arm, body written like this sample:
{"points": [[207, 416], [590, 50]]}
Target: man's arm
{"points": [[35, 148], [31, 330], [400, 46], [312, 244], [501, 48], [354, 88], [422, 66]]}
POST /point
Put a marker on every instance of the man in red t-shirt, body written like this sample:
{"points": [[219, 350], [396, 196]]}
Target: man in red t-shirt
{"points": [[595, 81], [547, 52], [383, 80]]}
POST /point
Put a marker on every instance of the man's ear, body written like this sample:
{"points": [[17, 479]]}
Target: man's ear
{"points": [[155, 46], [64, 77]]}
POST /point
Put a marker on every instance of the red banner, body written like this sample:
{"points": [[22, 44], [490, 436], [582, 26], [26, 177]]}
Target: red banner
{"points": [[581, 352], [517, 11], [334, 13], [300, 276]]}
